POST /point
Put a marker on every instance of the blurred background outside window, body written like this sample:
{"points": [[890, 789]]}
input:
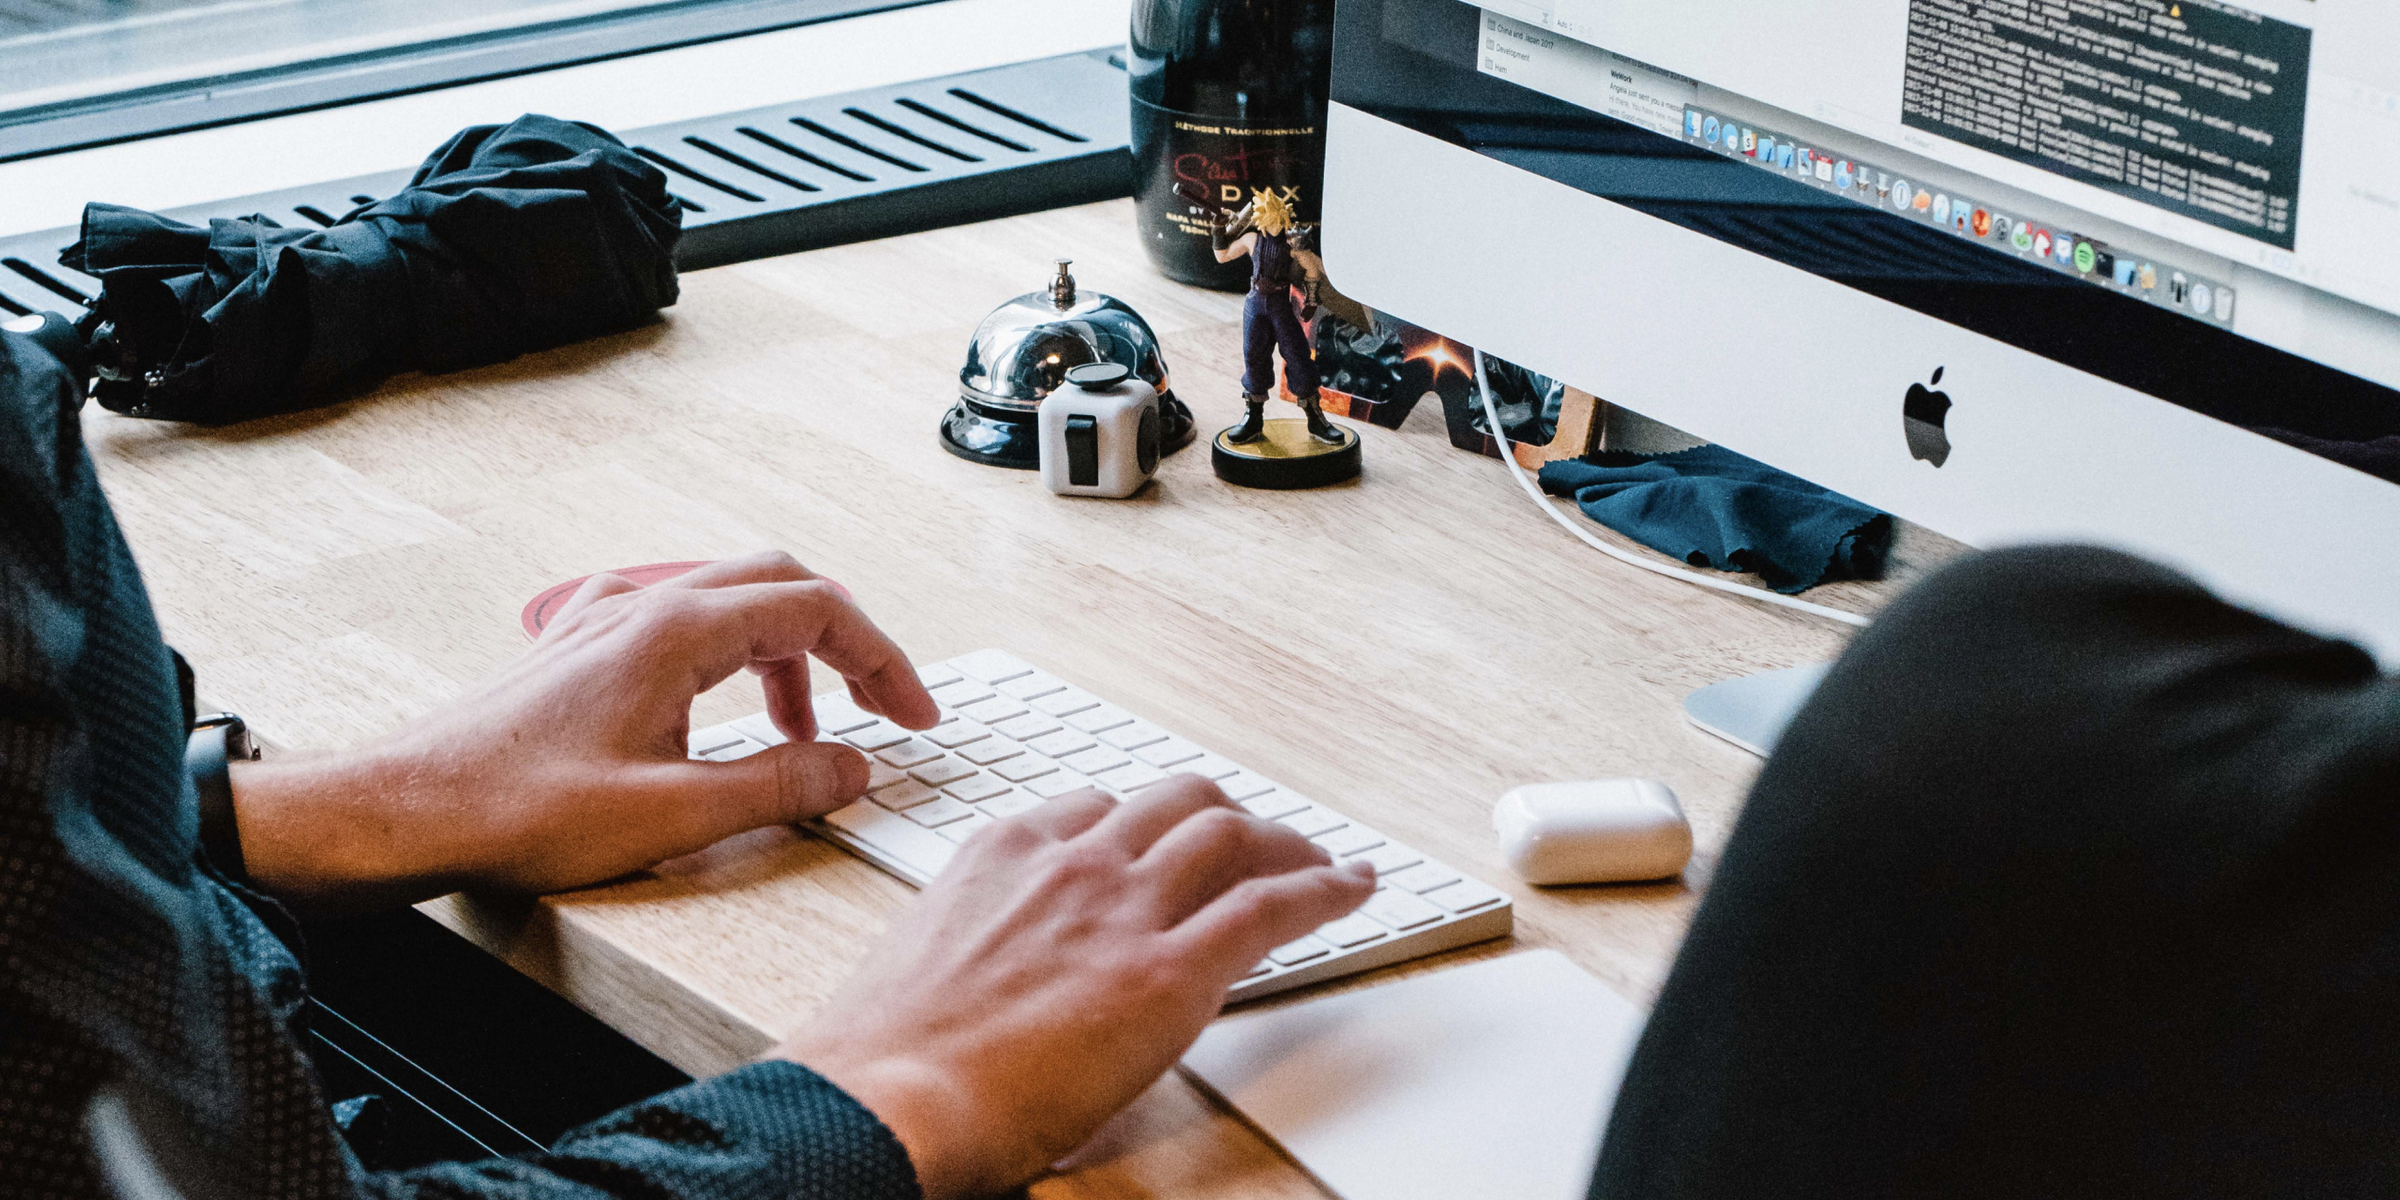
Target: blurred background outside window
{"points": [[87, 72]]}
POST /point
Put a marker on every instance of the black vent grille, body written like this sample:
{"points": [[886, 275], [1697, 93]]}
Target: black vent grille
{"points": [[770, 181]]}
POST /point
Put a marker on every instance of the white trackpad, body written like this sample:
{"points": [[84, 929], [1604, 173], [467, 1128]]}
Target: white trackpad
{"points": [[1486, 1080]]}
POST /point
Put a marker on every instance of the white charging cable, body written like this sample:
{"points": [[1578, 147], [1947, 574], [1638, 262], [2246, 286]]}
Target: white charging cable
{"points": [[1491, 413]]}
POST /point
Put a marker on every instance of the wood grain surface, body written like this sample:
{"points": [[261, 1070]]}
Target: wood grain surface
{"points": [[1403, 648]]}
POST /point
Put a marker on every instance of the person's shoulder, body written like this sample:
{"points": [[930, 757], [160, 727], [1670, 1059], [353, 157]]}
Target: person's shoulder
{"points": [[40, 421]]}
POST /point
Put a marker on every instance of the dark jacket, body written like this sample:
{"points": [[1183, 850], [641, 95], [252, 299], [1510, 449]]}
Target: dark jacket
{"points": [[124, 956]]}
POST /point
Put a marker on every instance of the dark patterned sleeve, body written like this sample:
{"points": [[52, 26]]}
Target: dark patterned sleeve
{"points": [[769, 1131]]}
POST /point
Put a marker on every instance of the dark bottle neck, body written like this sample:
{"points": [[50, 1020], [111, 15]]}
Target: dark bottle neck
{"points": [[1240, 60]]}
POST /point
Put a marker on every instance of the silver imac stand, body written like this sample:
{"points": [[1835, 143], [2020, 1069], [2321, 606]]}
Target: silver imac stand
{"points": [[1752, 711]]}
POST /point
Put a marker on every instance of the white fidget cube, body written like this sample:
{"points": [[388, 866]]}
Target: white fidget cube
{"points": [[1099, 434]]}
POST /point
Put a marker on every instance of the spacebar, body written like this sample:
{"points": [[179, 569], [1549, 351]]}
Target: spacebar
{"points": [[891, 841]]}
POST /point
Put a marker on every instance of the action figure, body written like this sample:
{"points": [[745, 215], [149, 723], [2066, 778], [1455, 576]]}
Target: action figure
{"points": [[1280, 257]]}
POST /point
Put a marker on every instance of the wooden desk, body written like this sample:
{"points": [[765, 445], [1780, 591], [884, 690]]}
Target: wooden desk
{"points": [[1403, 648]]}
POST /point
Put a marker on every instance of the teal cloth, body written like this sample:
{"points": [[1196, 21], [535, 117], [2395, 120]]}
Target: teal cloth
{"points": [[1712, 507]]}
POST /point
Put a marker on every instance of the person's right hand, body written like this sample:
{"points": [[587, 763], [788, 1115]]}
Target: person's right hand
{"points": [[1061, 963]]}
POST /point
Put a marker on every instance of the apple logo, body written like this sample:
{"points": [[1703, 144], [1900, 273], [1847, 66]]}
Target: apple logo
{"points": [[1921, 416]]}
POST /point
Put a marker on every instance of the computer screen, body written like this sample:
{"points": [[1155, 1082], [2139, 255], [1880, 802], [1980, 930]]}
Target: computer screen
{"points": [[2198, 200]]}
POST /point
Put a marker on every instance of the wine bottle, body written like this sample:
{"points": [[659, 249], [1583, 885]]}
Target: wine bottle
{"points": [[1228, 101]]}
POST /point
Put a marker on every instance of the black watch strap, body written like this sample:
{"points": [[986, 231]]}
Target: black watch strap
{"points": [[218, 739]]}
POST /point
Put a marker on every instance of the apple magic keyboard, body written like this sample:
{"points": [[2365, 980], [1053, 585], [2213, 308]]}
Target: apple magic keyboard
{"points": [[1012, 736]]}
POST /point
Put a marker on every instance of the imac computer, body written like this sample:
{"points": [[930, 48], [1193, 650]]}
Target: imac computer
{"points": [[2113, 271]]}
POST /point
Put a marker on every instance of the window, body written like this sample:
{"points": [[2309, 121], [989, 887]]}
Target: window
{"points": [[78, 73]]}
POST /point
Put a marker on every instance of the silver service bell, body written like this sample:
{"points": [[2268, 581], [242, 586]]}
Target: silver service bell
{"points": [[1023, 351]]}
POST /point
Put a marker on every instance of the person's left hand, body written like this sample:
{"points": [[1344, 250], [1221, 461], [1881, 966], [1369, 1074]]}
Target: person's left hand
{"points": [[570, 765]]}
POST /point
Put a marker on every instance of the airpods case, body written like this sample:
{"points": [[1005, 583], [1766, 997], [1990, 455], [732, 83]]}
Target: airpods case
{"points": [[1595, 831]]}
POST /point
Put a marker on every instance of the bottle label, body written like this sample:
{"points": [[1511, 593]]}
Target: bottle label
{"points": [[1193, 171]]}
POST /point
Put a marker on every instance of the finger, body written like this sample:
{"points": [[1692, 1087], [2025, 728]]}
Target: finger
{"points": [[767, 566], [1233, 932], [789, 703], [786, 681], [1071, 814], [1158, 808], [596, 588], [1214, 851], [766, 623], [708, 802]]}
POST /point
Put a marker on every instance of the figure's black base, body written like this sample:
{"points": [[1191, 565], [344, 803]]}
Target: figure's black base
{"points": [[1286, 458], [1001, 437]]}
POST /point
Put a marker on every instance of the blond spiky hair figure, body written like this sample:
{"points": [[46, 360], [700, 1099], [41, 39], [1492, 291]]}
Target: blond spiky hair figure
{"points": [[1271, 214]]}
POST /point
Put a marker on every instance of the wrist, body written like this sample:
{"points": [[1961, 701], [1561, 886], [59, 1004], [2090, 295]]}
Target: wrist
{"points": [[922, 1109], [315, 831]]}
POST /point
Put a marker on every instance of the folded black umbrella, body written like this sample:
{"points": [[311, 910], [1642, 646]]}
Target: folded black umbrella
{"points": [[509, 239]]}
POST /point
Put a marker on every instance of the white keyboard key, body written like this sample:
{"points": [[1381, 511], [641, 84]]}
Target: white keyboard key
{"points": [[956, 734], [1313, 820], [1464, 897], [1131, 777], [1309, 946], [1261, 969], [1066, 703], [1134, 736], [941, 772], [1095, 760], [1400, 910], [741, 749], [1211, 766], [1011, 804], [1034, 686], [962, 693], [1389, 858], [960, 831], [760, 728], [877, 736], [1060, 744], [1349, 840], [1244, 785], [1030, 766], [704, 742], [911, 753], [1424, 877], [1051, 787], [903, 796], [880, 775], [1352, 930], [991, 666], [1100, 719], [997, 708], [978, 789], [939, 812], [990, 750], [1026, 727], [937, 675], [1170, 754], [1274, 806]]}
